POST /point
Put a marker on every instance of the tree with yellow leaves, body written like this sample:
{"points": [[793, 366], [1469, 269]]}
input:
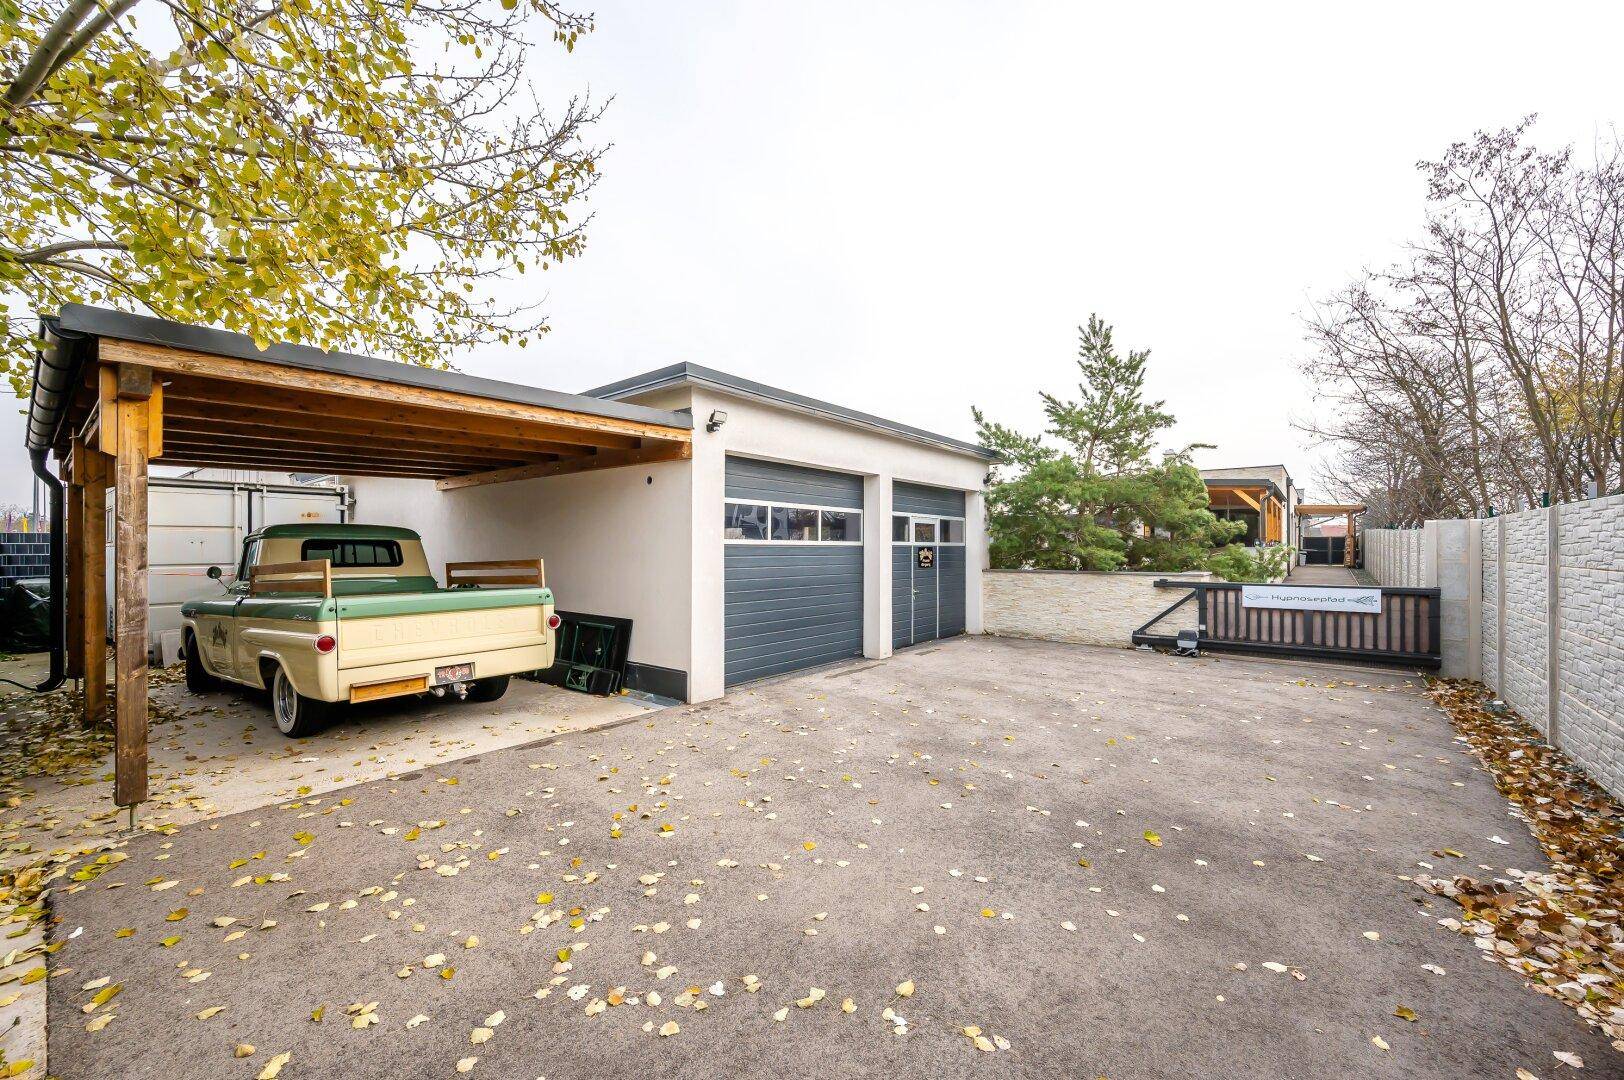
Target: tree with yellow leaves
{"points": [[343, 173]]}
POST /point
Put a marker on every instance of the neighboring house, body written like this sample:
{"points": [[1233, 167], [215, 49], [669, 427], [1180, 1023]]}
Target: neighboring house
{"points": [[1262, 496]]}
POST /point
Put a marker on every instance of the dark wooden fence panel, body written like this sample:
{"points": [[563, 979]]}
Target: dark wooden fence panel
{"points": [[1405, 630]]}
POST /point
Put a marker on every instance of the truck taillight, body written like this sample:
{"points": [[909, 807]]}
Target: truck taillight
{"points": [[326, 643], [553, 622]]}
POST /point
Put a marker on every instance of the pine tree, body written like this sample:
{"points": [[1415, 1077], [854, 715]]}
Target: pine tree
{"points": [[1099, 500]]}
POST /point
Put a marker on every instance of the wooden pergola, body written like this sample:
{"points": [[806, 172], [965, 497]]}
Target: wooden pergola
{"points": [[116, 393], [1259, 497], [1347, 510]]}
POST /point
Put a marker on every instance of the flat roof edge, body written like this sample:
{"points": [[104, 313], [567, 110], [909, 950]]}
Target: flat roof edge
{"points": [[720, 380]]}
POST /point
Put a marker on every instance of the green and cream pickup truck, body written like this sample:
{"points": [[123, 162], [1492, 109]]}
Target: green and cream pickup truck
{"points": [[322, 614]]}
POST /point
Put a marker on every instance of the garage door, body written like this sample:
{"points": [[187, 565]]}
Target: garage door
{"points": [[927, 564], [793, 568]]}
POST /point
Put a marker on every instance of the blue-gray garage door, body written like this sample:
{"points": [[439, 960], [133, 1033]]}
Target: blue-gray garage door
{"points": [[793, 568], [927, 563]]}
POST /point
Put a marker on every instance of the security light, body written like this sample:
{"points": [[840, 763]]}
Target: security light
{"points": [[717, 419]]}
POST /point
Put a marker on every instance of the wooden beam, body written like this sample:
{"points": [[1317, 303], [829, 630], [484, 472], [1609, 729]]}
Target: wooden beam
{"points": [[249, 418], [220, 397], [281, 376], [201, 459], [91, 469], [1246, 497], [609, 459], [273, 451], [130, 604]]}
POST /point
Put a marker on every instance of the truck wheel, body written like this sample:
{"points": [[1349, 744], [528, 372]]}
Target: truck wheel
{"points": [[198, 679], [296, 715], [488, 689]]}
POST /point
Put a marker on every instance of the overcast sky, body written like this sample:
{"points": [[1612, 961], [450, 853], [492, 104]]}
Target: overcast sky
{"points": [[908, 208]]}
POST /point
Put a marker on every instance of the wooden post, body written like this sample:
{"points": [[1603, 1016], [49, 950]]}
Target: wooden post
{"points": [[88, 578], [1347, 545], [73, 563], [134, 389]]}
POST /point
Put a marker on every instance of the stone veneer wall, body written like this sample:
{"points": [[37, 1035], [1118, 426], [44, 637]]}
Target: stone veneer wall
{"points": [[1084, 606]]}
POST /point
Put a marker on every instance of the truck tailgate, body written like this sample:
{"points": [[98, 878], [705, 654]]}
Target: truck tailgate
{"points": [[451, 635]]}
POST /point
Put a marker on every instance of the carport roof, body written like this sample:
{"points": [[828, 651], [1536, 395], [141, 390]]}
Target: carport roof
{"points": [[224, 401], [78, 321], [694, 374]]}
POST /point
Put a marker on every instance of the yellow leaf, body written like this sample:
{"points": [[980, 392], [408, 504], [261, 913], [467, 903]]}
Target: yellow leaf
{"points": [[274, 1066], [1153, 839], [1404, 1012]]}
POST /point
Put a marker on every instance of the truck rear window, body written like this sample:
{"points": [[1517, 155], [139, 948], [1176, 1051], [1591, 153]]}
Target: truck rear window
{"points": [[352, 552]]}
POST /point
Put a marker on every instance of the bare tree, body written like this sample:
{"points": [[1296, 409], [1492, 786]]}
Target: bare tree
{"points": [[1485, 368]]}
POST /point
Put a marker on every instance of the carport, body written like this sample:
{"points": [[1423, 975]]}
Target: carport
{"points": [[113, 393]]}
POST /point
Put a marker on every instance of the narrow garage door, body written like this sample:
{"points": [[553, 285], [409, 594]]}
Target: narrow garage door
{"points": [[793, 568], [927, 563]]}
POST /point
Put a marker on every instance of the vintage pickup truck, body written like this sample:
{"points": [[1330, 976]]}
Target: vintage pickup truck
{"points": [[321, 614]]}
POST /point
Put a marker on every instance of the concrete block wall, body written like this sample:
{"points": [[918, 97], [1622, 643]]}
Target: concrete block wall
{"points": [[1590, 612], [1525, 635], [1553, 626], [1087, 607], [1396, 557], [1488, 549]]}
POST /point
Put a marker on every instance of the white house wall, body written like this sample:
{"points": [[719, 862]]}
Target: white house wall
{"points": [[778, 433], [614, 544]]}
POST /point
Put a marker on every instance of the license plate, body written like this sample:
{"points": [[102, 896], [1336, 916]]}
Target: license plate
{"points": [[453, 673]]}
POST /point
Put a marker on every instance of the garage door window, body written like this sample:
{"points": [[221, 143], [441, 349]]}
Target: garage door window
{"points": [[780, 523], [840, 526], [745, 521], [794, 523], [922, 529]]}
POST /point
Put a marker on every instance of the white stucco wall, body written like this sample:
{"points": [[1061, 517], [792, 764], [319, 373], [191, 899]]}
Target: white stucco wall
{"points": [[778, 433], [614, 543]]}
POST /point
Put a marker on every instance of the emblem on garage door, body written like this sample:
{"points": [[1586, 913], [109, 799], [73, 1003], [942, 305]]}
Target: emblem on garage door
{"points": [[925, 557]]}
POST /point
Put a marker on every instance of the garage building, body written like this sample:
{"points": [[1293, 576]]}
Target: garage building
{"points": [[798, 533]]}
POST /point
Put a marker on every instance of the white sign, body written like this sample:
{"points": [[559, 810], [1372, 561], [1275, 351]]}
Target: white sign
{"points": [[1312, 598]]}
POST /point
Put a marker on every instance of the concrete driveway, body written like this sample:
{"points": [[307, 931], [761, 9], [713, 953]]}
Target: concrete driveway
{"points": [[1092, 856]]}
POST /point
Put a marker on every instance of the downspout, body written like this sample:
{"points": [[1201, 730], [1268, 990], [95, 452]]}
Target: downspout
{"points": [[51, 391], [59, 667]]}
